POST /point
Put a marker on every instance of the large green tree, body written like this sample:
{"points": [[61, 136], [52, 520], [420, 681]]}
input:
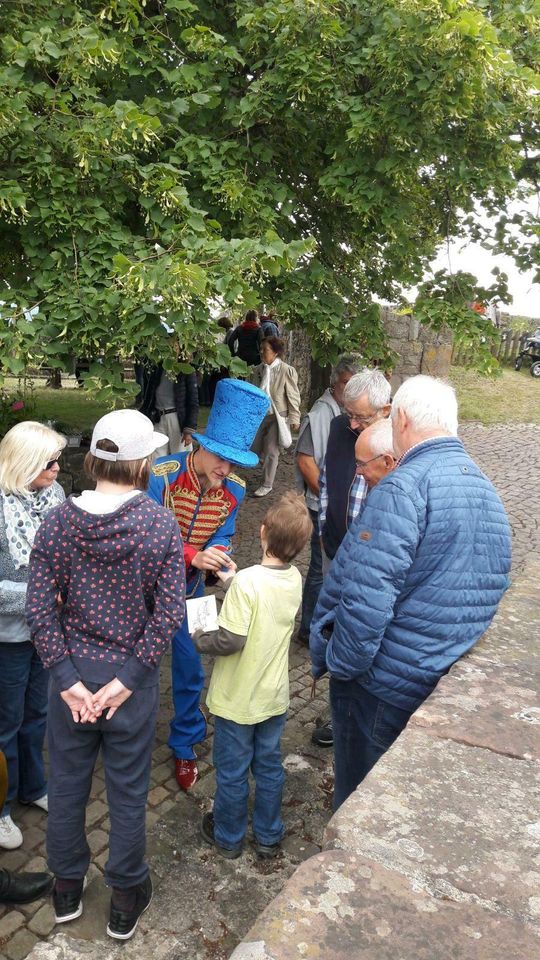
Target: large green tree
{"points": [[169, 159]]}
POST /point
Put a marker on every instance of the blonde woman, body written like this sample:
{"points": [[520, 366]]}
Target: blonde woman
{"points": [[280, 382], [29, 466]]}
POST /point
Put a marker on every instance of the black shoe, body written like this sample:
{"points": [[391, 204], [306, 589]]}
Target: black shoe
{"points": [[207, 833], [24, 887], [323, 736], [267, 851], [68, 905], [123, 923]]}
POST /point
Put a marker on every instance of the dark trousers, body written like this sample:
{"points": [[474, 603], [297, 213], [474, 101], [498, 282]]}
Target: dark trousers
{"points": [[364, 728], [23, 717], [314, 577], [126, 742]]}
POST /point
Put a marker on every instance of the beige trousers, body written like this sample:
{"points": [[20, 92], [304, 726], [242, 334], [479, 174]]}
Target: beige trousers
{"points": [[266, 446], [169, 425]]}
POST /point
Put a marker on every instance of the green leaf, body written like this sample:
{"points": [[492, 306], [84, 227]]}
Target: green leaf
{"points": [[311, 157], [15, 365]]}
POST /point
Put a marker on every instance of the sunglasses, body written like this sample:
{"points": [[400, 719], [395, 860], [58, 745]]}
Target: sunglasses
{"points": [[50, 464]]}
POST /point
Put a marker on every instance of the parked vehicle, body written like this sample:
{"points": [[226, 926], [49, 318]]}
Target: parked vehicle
{"points": [[530, 354]]}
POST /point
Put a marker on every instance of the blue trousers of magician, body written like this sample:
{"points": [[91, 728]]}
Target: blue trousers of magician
{"points": [[188, 725]]}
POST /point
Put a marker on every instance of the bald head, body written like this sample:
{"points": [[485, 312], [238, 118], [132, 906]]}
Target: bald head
{"points": [[374, 452]]}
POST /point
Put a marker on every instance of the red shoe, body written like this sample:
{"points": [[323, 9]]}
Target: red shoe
{"points": [[186, 772]]}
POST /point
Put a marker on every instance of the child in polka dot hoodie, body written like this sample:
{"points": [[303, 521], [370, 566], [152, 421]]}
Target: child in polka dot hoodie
{"points": [[106, 593]]}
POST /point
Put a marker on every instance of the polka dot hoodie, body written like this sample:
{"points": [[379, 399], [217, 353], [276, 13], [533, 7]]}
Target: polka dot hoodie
{"points": [[106, 592]]}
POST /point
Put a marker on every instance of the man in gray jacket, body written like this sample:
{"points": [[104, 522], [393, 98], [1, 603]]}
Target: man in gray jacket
{"points": [[310, 454]]}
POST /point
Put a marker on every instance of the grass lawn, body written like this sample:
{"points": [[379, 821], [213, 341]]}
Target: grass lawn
{"points": [[72, 407], [513, 397]]}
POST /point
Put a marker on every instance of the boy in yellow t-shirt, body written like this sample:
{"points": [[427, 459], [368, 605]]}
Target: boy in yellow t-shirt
{"points": [[249, 689]]}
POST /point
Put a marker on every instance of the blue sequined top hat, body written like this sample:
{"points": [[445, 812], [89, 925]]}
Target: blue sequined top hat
{"points": [[236, 415]]}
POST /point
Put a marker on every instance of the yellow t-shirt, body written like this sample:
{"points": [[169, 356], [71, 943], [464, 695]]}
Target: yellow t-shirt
{"points": [[253, 684]]}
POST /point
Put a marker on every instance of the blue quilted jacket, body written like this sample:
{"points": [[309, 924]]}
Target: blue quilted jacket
{"points": [[417, 579]]}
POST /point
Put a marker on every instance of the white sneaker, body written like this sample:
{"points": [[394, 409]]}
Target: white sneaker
{"points": [[10, 835], [262, 492], [41, 802]]}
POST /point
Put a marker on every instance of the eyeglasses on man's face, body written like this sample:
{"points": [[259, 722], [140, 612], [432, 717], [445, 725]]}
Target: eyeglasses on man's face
{"points": [[365, 421], [360, 464]]}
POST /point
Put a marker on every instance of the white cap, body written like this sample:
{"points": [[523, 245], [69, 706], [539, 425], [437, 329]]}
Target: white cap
{"points": [[131, 431]]}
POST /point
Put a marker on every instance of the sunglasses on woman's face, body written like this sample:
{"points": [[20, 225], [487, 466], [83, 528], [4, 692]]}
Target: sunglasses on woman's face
{"points": [[51, 463]]}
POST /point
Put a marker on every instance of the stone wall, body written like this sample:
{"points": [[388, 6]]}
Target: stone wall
{"points": [[420, 350], [435, 855]]}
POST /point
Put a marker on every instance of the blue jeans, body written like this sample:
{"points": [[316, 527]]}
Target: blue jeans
{"points": [[188, 725], [23, 717], [364, 728], [239, 747], [314, 577]]}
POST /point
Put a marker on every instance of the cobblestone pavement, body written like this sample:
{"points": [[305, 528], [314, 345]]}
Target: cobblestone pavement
{"points": [[218, 900]]}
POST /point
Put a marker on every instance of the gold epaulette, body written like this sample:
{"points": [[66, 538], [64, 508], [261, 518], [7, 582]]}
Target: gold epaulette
{"points": [[168, 466], [237, 479]]}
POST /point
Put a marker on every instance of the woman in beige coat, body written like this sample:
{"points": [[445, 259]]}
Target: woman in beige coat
{"points": [[280, 381]]}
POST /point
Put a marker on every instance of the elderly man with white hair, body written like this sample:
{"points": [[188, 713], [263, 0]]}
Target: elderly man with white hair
{"points": [[374, 452], [342, 489], [415, 583]]}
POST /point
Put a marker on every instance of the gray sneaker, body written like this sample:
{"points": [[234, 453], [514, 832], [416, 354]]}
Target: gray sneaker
{"points": [[323, 736], [207, 833]]}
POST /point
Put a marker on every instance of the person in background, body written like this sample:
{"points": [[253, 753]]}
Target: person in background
{"points": [[226, 324], [19, 887], [29, 466], [212, 379], [245, 340], [310, 453], [249, 688], [170, 401], [106, 592], [415, 583], [280, 382], [366, 399], [494, 313], [204, 497], [269, 325]]}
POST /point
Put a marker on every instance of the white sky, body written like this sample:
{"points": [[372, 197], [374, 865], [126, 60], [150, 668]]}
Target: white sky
{"points": [[472, 258]]}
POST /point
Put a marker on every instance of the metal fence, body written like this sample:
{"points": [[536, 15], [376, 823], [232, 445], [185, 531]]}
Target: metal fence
{"points": [[505, 349]]}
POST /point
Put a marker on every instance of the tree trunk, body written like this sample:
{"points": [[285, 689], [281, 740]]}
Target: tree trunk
{"points": [[299, 356], [55, 380]]}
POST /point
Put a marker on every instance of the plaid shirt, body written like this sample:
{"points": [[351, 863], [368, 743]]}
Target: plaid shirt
{"points": [[357, 495]]}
